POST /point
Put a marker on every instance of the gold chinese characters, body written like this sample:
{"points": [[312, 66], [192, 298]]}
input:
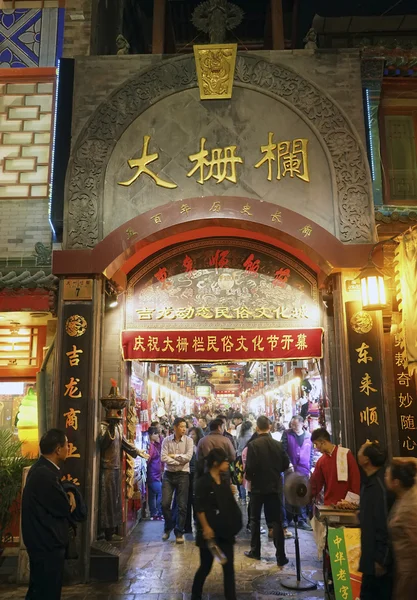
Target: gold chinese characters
{"points": [[290, 158], [223, 312]]}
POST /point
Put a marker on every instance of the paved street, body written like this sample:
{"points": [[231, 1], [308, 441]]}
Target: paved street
{"points": [[157, 570]]}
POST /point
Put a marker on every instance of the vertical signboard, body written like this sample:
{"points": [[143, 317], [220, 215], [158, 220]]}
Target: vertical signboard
{"points": [[365, 364], [405, 398], [77, 324]]}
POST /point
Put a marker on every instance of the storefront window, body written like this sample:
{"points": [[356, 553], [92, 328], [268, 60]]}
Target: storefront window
{"points": [[19, 413]]}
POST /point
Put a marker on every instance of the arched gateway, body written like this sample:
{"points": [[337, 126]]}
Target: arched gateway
{"points": [[242, 218]]}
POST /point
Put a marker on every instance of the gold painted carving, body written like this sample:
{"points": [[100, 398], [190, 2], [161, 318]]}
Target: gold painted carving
{"points": [[215, 65]]}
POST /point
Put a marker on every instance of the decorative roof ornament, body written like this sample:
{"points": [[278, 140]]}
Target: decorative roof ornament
{"points": [[215, 62], [216, 17]]}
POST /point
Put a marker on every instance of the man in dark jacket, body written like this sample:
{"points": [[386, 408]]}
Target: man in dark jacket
{"points": [[375, 504], [265, 463], [46, 518]]}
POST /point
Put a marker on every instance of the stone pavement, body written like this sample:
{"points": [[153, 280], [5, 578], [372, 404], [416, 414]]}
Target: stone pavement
{"points": [[157, 570]]}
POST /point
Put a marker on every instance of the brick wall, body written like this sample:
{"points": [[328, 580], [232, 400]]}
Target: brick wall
{"points": [[77, 32], [26, 120]]}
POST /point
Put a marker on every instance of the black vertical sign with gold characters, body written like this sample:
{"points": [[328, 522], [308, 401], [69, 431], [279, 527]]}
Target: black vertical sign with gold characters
{"points": [[74, 398], [405, 399], [365, 364]]}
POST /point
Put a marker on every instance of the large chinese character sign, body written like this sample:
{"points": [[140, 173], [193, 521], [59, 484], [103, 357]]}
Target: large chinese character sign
{"points": [[218, 283], [222, 345], [368, 408]]}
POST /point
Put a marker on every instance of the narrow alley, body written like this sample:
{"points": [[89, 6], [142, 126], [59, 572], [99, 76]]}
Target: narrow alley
{"points": [[156, 570]]}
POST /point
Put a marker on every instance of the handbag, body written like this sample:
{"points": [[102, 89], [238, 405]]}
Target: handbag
{"points": [[71, 552], [239, 470]]}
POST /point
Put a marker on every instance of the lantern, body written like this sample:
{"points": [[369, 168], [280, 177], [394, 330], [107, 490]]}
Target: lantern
{"points": [[372, 288], [163, 370], [261, 383], [173, 378], [279, 370], [182, 383]]}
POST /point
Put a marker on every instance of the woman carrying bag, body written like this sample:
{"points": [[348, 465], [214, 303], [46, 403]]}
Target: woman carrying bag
{"points": [[219, 521]]}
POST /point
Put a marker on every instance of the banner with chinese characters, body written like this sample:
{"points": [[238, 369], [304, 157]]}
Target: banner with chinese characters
{"points": [[405, 398], [221, 346], [208, 283], [365, 364], [345, 552], [406, 280], [74, 386]]}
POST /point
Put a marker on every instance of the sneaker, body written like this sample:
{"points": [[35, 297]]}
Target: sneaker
{"points": [[282, 563], [250, 554], [304, 526], [287, 534], [263, 531], [179, 539], [166, 535]]}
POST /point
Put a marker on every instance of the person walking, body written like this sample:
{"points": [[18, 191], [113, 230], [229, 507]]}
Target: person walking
{"points": [[154, 474], [245, 434], [46, 518], [226, 434], [177, 452], [297, 443], [219, 521], [215, 439], [375, 504], [266, 461], [196, 434], [401, 479]]}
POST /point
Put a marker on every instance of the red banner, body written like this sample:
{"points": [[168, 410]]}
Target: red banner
{"points": [[222, 345]]}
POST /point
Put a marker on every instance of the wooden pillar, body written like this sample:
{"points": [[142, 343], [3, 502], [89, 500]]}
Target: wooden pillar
{"points": [[277, 22], [158, 28]]}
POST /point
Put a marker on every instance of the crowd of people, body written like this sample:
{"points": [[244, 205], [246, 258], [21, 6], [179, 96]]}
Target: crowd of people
{"points": [[201, 476]]}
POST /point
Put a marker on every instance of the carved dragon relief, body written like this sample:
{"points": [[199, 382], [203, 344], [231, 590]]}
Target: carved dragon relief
{"points": [[86, 171]]}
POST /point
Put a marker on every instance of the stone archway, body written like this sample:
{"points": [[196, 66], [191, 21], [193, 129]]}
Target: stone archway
{"points": [[87, 168], [141, 237]]}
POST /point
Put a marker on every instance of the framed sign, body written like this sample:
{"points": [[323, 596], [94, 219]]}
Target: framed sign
{"points": [[74, 400], [78, 289], [365, 364]]}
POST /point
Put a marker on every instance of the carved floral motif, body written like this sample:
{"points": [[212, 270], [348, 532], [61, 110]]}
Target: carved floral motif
{"points": [[95, 144]]}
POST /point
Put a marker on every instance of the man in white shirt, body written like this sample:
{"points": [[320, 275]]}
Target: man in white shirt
{"points": [[177, 451]]}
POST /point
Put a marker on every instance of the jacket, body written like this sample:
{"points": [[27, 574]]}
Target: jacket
{"points": [[300, 456], [375, 504], [266, 461], [215, 440], [218, 504], [46, 515], [154, 462], [242, 440], [402, 526]]}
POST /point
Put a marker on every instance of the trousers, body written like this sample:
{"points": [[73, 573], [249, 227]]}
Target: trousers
{"points": [[155, 496], [206, 563], [46, 573], [272, 509], [376, 587], [177, 482]]}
